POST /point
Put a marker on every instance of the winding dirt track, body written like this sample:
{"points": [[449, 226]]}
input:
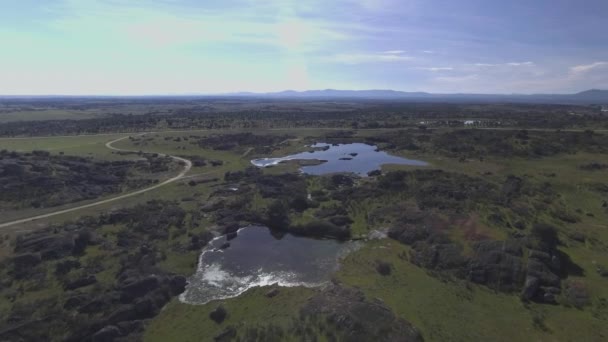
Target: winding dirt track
{"points": [[187, 167]]}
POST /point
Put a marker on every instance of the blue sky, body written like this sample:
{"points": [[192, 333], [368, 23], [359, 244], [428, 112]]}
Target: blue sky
{"points": [[171, 46]]}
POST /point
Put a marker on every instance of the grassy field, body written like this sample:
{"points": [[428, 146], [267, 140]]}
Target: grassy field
{"points": [[184, 322], [443, 309]]}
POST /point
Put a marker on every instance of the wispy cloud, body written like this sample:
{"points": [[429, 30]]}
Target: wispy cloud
{"points": [[508, 64], [361, 58], [435, 69], [579, 69], [394, 52]]}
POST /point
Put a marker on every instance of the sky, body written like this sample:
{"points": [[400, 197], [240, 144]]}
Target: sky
{"points": [[120, 47]]}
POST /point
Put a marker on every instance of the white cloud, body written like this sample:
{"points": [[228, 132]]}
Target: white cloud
{"points": [[360, 58], [578, 69], [435, 69], [509, 64], [394, 52]]}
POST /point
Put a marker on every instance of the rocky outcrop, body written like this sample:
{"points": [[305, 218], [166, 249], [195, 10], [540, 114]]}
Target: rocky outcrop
{"points": [[357, 319]]}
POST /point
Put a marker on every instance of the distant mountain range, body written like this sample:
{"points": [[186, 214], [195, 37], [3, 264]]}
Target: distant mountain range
{"points": [[593, 96]]}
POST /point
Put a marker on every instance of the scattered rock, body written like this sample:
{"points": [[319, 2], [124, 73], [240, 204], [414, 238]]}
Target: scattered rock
{"points": [[356, 319]]}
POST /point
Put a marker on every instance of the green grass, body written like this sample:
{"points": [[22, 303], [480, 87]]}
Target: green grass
{"points": [[452, 310], [85, 146], [184, 322], [443, 310], [48, 114]]}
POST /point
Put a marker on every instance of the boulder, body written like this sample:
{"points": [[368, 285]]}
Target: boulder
{"points": [[341, 220], [75, 301], [136, 288], [26, 260], [384, 268], [64, 267], [177, 284], [498, 264], [530, 288], [218, 315], [226, 335], [409, 233], [374, 173], [106, 334], [356, 319], [122, 314], [272, 293], [80, 282]]}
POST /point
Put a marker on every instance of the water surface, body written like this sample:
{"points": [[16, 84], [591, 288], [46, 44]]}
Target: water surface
{"points": [[356, 157], [256, 257]]}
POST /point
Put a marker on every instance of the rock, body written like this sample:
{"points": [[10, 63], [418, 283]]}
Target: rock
{"points": [[321, 229], [106, 334], [577, 236], [384, 268], [576, 294], [75, 301], [122, 314], [498, 264], [342, 180], [225, 245], [530, 288], [145, 308], [97, 305], [213, 205], [409, 233], [64, 267], [177, 284], [341, 220], [130, 327], [136, 288], [231, 236], [541, 271], [26, 260], [549, 298], [226, 335], [272, 293], [356, 319], [549, 294], [374, 173], [219, 314], [49, 245], [445, 256], [602, 271], [81, 282]]}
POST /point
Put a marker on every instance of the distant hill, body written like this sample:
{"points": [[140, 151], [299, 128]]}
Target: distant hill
{"points": [[593, 96]]}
